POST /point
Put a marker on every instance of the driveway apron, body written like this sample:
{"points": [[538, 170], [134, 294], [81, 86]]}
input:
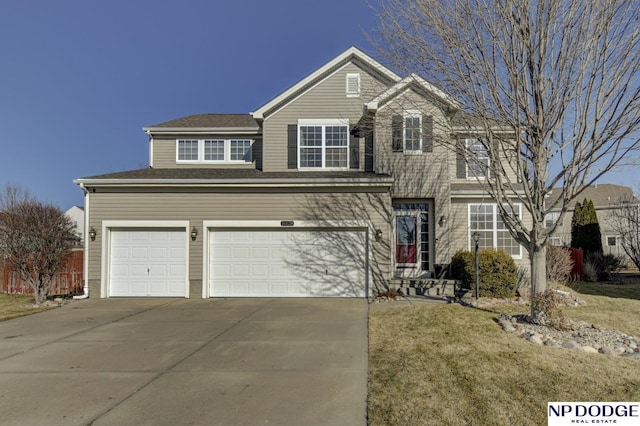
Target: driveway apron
{"points": [[187, 362]]}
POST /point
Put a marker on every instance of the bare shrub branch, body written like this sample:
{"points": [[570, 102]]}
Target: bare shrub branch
{"points": [[35, 239]]}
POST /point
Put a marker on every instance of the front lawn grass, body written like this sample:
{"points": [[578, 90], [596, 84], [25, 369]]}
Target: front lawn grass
{"points": [[446, 364], [18, 305]]}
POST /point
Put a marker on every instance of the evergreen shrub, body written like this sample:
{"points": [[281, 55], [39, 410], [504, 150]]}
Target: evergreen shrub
{"points": [[498, 272]]}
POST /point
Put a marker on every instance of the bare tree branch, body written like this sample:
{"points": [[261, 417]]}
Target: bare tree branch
{"points": [[559, 75], [35, 238]]}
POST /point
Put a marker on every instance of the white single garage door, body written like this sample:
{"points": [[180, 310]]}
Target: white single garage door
{"points": [[148, 263], [288, 263]]}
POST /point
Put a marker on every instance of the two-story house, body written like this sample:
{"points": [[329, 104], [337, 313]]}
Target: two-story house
{"points": [[332, 188], [607, 199]]}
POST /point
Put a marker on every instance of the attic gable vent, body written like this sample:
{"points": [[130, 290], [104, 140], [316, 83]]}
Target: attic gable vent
{"points": [[353, 85]]}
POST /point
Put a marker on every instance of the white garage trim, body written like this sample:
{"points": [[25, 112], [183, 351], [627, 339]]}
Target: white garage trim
{"points": [[212, 226], [108, 226]]}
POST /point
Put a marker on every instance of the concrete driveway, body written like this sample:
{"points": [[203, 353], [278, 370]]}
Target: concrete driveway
{"points": [[181, 362]]}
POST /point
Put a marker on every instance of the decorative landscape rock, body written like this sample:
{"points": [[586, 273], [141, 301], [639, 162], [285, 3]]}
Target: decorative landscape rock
{"points": [[578, 336]]}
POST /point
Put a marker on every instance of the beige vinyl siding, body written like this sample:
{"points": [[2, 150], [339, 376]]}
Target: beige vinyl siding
{"points": [[164, 152], [511, 174], [326, 100], [423, 175], [200, 206]]}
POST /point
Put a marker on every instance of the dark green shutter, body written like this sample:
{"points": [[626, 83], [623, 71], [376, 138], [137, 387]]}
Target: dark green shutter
{"points": [[292, 146], [354, 152], [396, 133], [427, 133], [461, 166]]}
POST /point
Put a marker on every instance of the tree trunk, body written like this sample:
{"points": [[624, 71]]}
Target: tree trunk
{"points": [[41, 297], [538, 276]]}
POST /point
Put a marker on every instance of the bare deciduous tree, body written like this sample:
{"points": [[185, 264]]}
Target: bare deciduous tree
{"points": [[35, 239], [549, 86], [624, 220]]}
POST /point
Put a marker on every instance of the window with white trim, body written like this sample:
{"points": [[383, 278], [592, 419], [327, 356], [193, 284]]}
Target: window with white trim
{"points": [[187, 150], [551, 218], [412, 131], [487, 222], [612, 240], [555, 241], [323, 144], [478, 164], [214, 150], [353, 85]]}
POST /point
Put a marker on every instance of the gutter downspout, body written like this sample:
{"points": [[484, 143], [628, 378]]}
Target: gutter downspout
{"points": [[85, 266]]}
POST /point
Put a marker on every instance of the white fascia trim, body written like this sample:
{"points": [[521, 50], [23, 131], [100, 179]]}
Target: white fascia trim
{"points": [[203, 130], [403, 85], [297, 224], [352, 51], [252, 183], [479, 194], [479, 130], [109, 225]]}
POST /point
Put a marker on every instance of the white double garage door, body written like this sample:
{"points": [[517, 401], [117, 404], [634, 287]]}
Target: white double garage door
{"points": [[240, 262]]}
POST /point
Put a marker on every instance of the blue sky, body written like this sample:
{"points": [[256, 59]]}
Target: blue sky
{"points": [[79, 78]]}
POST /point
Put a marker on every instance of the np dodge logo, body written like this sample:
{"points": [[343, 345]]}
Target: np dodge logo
{"points": [[572, 413]]}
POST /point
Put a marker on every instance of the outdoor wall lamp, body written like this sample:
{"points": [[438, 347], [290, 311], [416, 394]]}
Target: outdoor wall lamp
{"points": [[194, 234], [92, 234], [443, 220], [378, 235]]}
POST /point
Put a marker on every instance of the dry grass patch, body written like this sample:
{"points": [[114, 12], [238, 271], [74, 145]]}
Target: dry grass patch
{"points": [[448, 364], [18, 305]]}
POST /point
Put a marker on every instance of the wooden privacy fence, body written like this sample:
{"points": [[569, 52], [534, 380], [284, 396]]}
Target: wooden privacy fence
{"points": [[577, 255], [69, 281]]}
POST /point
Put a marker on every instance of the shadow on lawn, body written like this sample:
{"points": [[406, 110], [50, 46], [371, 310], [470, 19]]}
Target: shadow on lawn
{"points": [[624, 286]]}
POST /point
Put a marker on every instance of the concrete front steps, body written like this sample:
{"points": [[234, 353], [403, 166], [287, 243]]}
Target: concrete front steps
{"points": [[426, 286]]}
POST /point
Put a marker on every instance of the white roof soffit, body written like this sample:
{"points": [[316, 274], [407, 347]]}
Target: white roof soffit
{"points": [[400, 86], [259, 114]]}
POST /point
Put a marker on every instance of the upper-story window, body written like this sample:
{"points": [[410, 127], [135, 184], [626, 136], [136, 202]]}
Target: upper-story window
{"points": [[478, 164], [323, 144], [550, 219], [353, 85], [213, 150], [412, 132]]}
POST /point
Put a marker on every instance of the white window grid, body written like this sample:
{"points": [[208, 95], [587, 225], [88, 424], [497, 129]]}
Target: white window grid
{"points": [[487, 222], [412, 132], [478, 166], [323, 146], [214, 150], [188, 150], [551, 218]]}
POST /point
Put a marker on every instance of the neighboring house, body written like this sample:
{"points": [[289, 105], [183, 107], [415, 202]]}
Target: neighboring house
{"points": [[76, 214], [332, 188], [606, 198]]}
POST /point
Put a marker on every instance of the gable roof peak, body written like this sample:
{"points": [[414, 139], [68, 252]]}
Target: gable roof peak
{"points": [[412, 79], [348, 55]]}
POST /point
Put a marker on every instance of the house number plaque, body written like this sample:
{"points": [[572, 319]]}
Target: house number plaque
{"points": [[286, 223]]}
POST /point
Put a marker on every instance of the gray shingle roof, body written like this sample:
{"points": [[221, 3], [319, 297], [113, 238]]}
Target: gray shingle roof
{"points": [[232, 174], [602, 195], [210, 121]]}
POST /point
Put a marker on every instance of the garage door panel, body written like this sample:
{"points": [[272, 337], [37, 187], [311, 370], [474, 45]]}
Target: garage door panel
{"points": [[147, 263], [298, 263]]}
